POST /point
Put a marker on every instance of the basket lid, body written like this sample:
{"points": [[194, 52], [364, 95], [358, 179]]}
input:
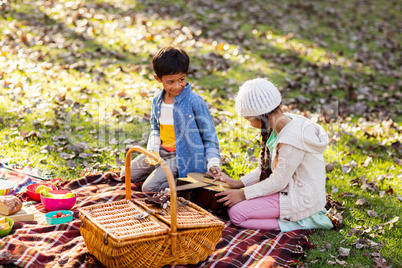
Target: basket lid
{"points": [[123, 220], [189, 215]]}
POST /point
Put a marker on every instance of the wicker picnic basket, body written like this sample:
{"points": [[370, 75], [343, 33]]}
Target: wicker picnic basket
{"points": [[132, 233]]}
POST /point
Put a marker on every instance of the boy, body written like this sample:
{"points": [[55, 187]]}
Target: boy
{"points": [[182, 130]]}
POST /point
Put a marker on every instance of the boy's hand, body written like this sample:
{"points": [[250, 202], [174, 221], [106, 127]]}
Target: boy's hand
{"points": [[214, 171], [231, 197]]}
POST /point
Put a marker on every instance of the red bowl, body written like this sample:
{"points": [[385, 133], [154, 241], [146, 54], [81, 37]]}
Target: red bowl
{"points": [[32, 188], [52, 204]]}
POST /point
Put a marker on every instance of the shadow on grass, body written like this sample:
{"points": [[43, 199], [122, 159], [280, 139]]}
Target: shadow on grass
{"points": [[313, 82]]}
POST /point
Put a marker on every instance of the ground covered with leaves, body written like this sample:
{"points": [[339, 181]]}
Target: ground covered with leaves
{"points": [[76, 83]]}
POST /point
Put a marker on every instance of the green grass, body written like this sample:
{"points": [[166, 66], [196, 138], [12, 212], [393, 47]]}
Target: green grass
{"points": [[94, 84]]}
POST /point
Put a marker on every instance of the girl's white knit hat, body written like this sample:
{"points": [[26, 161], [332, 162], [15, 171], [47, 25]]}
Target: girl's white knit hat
{"points": [[256, 97]]}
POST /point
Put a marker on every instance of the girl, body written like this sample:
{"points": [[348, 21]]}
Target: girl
{"points": [[290, 195]]}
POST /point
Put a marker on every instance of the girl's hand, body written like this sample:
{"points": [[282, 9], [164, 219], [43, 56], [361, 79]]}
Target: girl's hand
{"points": [[234, 184], [231, 197]]}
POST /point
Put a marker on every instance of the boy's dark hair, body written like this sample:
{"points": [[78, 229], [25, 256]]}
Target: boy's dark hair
{"points": [[170, 60]]}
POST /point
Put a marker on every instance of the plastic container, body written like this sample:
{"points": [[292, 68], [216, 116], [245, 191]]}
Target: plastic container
{"points": [[50, 220], [32, 188], [6, 187], [8, 230], [52, 204]]}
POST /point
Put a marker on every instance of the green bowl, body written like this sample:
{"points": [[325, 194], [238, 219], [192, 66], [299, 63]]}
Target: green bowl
{"points": [[8, 230]]}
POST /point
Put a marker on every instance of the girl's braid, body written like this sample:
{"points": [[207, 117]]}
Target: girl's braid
{"points": [[265, 156]]}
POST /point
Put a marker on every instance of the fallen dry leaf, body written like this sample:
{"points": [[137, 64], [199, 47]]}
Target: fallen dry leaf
{"points": [[330, 167], [361, 202], [390, 191], [343, 252], [346, 194], [372, 186], [80, 147], [380, 262], [84, 155], [66, 156], [359, 246], [355, 231], [327, 245], [346, 169], [391, 222], [372, 213], [343, 263], [70, 164], [367, 161], [32, 135], [398, 161]]}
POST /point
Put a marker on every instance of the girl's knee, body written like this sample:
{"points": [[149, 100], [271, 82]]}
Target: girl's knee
{"points": [[236, 216]]}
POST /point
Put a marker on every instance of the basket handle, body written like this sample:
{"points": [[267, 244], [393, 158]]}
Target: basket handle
{"points": [[172, 186]]}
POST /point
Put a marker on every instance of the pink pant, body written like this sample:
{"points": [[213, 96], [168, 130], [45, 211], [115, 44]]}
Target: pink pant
{"points": [[257, 213]]}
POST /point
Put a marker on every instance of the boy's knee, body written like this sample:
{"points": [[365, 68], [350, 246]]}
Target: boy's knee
{"points": [[123, 171], [149, 188], [154, 187]]}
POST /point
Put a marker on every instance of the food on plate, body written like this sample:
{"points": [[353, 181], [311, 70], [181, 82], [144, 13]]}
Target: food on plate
{"points": [[42, 187], [60, 215], [46, 193], [70, 195], [9, 204], [3, 224]]}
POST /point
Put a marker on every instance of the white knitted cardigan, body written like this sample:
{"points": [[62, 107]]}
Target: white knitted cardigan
{"points": [[298, 170]]}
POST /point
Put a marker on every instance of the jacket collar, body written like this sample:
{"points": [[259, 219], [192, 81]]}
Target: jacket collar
{"points": [[177, 99], [304, 134]]}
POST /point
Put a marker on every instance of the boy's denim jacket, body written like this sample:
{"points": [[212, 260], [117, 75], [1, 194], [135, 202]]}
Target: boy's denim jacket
{"points": [[195, 134]]}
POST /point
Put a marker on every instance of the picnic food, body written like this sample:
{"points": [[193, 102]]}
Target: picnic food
{"points": [[42, 187], [33, 194], [9, 205], [45, 193], [3, 224], [58, 199], [60, 215]]}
